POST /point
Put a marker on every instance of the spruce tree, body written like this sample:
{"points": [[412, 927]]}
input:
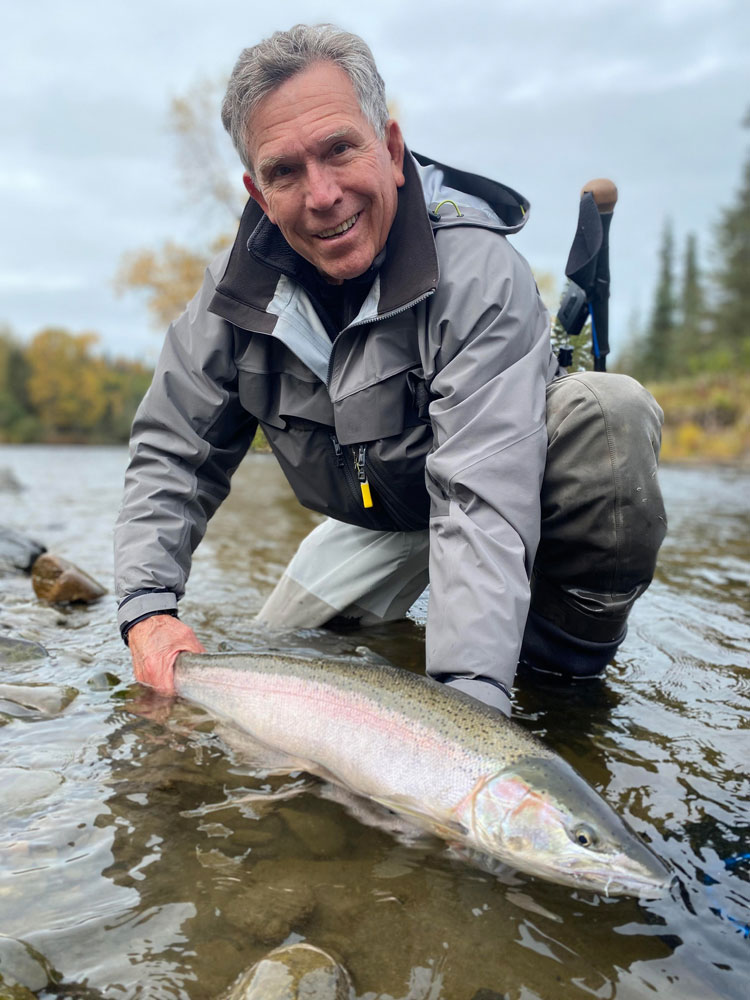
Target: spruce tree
{"points": [[732, 311], [658, 347], [690, 344]]}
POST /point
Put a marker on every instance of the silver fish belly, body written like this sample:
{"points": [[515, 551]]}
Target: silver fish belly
{"points": [[449, 763]]}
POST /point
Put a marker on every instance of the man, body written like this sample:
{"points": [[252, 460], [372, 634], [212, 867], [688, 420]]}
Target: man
{"points": [[373, 319]]}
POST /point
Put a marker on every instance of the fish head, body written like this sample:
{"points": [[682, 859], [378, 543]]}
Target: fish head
{"points": [[541, 817]]}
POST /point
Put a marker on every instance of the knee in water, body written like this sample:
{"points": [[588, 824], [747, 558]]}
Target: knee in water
{"points": [[549, 648]]}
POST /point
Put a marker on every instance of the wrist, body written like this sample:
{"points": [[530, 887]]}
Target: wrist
{"points": [[126, 627], [143, 604]]}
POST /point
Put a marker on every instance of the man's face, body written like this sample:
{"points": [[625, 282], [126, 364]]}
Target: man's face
{"points": [[322, 175]]}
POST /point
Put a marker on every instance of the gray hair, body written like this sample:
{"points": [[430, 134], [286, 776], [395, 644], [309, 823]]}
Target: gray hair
{"points": [[265, 66]]}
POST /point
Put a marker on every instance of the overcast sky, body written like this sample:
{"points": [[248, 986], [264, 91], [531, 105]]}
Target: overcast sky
{"points": [[542, 94]]}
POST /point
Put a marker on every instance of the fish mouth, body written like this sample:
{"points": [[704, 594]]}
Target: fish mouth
{"points": [[342, 227], [608, 882]]}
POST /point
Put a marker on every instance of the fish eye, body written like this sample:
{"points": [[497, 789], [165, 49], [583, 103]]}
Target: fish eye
{"points": [[585, 835]]}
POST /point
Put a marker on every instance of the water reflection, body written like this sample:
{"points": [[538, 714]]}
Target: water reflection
{"points": [[143, 856]]}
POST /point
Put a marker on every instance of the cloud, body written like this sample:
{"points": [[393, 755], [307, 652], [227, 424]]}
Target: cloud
{"points": [[38, 283], [543, 96]]}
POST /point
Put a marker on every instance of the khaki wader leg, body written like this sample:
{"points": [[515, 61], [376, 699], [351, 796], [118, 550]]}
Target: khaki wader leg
{"points": [[340, 569]]}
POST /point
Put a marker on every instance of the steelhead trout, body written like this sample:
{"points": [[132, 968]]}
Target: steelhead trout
{"points": [[449, 763]]}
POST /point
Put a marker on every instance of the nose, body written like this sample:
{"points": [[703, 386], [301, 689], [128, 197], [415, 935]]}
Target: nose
{"points": [[323, 190]]}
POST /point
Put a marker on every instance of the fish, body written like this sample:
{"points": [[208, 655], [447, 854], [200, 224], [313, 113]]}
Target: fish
{"points": [[450, 764]]}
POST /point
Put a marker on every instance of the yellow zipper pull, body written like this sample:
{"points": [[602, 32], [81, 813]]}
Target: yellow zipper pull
{"points": [[359, 465]]}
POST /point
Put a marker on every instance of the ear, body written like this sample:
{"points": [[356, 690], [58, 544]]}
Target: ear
{"points": [[394, 142], [255, 194]]}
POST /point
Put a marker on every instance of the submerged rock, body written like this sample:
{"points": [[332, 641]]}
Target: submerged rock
{"points": [[58, 581], [268, 913], [294, 972], [21, 790], [8, 481], [20, 651], [36, 699], [12, 991], [17, 551], [23, 970]]}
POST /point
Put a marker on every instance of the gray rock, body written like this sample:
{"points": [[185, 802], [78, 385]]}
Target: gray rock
{"points": [[17, 551], [23, 966], [14, 651], [8, 481], [294, 972], [268, 913], [58, 581], [22, 789], [36, 698]]}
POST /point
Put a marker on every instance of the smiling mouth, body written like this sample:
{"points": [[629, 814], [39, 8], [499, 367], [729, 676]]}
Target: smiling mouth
{"points": [[342, 227]]}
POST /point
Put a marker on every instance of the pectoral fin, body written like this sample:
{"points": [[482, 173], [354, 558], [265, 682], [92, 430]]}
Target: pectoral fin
{"points": [[442, 826]]}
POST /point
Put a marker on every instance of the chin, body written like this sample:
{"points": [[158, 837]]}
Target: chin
{"points": [[345, 269]]}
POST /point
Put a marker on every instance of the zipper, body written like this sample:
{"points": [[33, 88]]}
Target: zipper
{"points": [[360, 475], [360, 456], [359, 488], [372, 319]]}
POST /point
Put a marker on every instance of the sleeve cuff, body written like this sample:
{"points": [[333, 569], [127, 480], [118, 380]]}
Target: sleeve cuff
{"points": [[141, 605], [485, 691]]}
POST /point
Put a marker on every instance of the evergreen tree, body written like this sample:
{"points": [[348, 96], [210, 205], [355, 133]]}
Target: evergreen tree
{"points": [[690, 343], [658, 349], [732, 312]]}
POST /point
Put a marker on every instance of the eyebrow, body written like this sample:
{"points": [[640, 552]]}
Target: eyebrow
{"points": [[267, 166]]}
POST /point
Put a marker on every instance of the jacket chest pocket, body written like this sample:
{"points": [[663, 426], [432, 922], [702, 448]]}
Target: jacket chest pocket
{"points": [[281, 399], [384, 409]]}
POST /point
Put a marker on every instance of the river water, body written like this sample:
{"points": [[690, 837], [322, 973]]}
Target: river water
{"points": [[131, 866]]}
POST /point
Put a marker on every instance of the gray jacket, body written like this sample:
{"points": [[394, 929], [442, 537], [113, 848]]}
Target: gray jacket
{"points": [[435, 393]]}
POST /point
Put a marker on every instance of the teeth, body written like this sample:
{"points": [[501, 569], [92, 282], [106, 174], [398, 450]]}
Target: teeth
{"points": [[341, 228]]}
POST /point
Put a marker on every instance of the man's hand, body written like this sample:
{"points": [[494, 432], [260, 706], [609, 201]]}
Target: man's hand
{"points": [[154, 644]]}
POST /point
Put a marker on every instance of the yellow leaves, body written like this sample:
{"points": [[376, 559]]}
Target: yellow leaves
{"points": [[706, 418], [64, 383], [170, 276], [71, 394]]}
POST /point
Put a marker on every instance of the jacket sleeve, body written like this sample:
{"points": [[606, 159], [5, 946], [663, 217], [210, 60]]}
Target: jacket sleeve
{"points": [[189, 435], [488, 334]]}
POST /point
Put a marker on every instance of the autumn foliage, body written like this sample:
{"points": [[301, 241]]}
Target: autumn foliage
{"points": [[56, 388]]}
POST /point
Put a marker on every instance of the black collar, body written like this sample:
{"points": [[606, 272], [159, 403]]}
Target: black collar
{"points": [[260, 254]]}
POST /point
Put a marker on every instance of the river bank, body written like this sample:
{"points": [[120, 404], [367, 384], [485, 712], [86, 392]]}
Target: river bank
{"points": [[706, 419]]}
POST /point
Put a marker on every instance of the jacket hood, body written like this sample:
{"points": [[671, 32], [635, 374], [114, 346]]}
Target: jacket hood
{"points": [[504, 208]]}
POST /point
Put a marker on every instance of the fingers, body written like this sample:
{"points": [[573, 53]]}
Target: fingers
{"points": [[155, 644]]}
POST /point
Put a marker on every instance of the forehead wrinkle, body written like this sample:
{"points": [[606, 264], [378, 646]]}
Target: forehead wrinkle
{"points": [[268, 163]]}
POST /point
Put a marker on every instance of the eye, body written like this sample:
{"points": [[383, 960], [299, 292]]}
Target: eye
{"points": [[584, 835], [340, 147]]}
